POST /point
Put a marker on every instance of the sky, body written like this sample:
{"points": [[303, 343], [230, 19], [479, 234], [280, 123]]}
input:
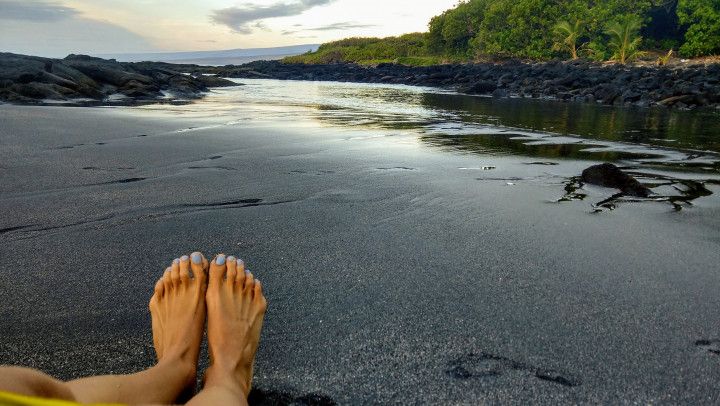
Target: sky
{"points": [[55, 28]]}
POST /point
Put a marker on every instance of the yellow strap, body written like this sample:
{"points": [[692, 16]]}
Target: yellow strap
{"points": [[13, 399]]}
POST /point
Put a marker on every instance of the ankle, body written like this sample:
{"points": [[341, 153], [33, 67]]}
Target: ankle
{"points": [[225, 377], [182, 366]]}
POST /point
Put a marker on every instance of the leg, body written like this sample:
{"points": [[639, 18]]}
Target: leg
{"points": [[178, 317], [29, 382], [236, 307]]}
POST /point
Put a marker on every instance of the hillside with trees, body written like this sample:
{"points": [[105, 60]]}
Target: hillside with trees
{"points": [[475, 30]]}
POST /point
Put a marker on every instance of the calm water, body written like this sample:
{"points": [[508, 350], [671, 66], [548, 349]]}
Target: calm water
{"points": [[675, 152], [680, 139]]}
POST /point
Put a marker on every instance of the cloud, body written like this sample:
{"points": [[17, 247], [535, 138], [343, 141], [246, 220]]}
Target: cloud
{"points": [[35, 10], [70, 35], [343, 26], [239, 18]]}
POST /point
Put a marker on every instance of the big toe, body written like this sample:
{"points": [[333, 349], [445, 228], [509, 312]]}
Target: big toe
{"points": [[199, 266]]}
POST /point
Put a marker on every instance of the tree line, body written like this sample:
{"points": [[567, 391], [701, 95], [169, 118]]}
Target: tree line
{"points": [[604, 29], [619, 30]]}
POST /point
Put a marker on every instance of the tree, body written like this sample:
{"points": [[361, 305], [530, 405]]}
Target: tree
{"points": [[625, 38], [702, 18], [567, 36]]}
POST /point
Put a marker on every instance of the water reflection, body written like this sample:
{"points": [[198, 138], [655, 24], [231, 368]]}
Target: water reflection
{"points": [[656, 126], [649, 140]]}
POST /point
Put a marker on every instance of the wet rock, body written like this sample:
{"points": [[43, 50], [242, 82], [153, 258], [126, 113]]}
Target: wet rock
{"points": [[27, 79], [481, 87], [571, 81], [499, 93], [609, 175]]}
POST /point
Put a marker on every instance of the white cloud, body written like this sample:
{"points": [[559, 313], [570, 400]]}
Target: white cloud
{"points": [[240, 18]]}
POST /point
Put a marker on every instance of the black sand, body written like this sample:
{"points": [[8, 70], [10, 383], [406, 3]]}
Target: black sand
{"points": [[392, 275]]}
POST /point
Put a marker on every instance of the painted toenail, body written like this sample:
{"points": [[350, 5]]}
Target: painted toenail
{"points": [[196, 258], [220, 259], [231, 258], [247, 271], [184, 258], [176, 261]]}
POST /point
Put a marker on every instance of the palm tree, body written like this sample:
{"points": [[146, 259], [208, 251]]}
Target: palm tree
{"points": [[567, 35], [625, 38]]}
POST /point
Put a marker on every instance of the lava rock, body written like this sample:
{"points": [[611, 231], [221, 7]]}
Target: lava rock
{"points": [[609, 175]]}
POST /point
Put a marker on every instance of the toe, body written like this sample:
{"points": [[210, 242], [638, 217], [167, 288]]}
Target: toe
{"points": [[159, 288], [157, 293], [240, 274], [184, 269], [199, 266], [167, 279], [175, 272], [231, 264], [217, 269], [258, 296], [249, 280]]}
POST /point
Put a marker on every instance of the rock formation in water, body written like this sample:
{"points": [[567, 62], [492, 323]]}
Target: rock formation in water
{"points": [[28, 79], [609, 175]]}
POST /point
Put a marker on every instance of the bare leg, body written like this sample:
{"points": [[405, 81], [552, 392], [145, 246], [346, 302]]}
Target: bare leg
{"points": [[178, 317], [236, 307]]}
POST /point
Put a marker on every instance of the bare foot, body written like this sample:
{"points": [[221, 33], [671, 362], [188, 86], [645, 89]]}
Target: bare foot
{"points": [[236, 307], [178, 312]]}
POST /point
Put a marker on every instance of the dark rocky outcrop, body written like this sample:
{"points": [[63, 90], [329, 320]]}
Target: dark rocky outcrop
{"points": [[576, 81], [609, 175], [30, 79]]}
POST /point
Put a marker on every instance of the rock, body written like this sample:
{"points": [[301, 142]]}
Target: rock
{"points": [[607, 93], [499, 93], [481, 87], [674, 99], [609, 175], [27, 79]]}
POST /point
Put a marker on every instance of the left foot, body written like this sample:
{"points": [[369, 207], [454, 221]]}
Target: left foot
{"points": [[178, 312]]}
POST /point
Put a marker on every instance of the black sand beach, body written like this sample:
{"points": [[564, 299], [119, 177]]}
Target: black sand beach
{"points": [[396, 271]]}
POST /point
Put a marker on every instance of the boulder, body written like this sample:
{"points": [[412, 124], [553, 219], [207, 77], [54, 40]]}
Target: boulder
{"points": [[609, 175]]}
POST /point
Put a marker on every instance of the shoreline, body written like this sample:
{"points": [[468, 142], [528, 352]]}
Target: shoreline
{"points": [[79, 80], [574, 81]]}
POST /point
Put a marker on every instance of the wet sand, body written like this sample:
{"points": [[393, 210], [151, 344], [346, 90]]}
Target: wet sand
{"points": [[395, 272]]}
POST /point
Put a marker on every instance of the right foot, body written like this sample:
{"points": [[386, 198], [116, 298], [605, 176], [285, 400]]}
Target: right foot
{"points": [[178, 313], [235, 307]]}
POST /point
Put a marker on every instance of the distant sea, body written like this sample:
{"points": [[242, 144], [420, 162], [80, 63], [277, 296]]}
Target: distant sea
{"points": [[216, 58]]}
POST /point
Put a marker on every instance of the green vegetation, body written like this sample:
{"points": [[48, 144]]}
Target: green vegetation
{"points": [[409, 49], [703, 20], [541, 30], [568, 35], [625, 39]]}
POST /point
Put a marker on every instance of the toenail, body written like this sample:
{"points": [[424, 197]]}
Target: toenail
{"points": [[231, 258], [196, 258], [247, 271], [184, 258], [176, 261], [220, 259]]}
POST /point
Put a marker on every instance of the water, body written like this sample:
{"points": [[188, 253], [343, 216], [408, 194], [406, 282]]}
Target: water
{"points": [[677, 153]]}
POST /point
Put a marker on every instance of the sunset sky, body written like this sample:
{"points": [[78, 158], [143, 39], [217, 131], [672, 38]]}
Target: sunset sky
{"points": [[56, 28]]}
